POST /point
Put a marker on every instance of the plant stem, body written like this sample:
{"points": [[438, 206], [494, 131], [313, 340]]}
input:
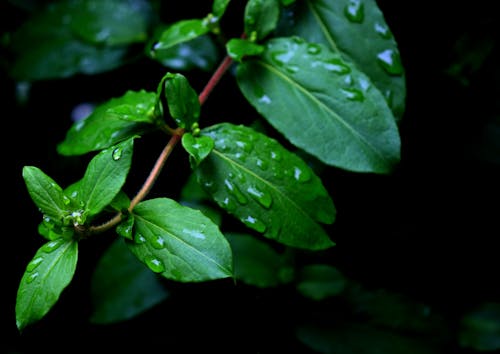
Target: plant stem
{"points": [[160, 162]]}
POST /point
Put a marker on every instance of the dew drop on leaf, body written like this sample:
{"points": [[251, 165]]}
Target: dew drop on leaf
{"points": [[117, 154], [301, 175], [276, 155], [52, 245], [261, 164], [263, 198], [355, 11], [32, 277], [158, 243], [390, 61], [254, 223], [233, 190], [228, 204], [313, 48], [139, 239], [155, 264], [34, 263], [353, 94], [383, 31]]}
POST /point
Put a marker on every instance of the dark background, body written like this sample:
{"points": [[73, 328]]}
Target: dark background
{"points": [[428, 230]]}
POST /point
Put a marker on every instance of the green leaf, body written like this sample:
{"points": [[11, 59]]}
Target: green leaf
{"points": [[353, 338], [182, 100], [261, 18], [480, 327], [322, 104], [238, 49], [105, 176], [110, 22], [46, 276], [179, 243], [198, 53], [258, 264], [46, 47], [122, 287], [320, 281], [219, 7], [120, 202], [268, 188], [181, 31], [198, 147], [358, 29], [192, 191], [104, 128], [46, 193]]}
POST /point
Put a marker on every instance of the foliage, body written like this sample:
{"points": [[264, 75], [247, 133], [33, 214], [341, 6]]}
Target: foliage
{"points": [[325, 86]]}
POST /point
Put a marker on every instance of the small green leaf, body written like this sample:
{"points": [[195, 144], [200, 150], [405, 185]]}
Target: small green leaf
{"points": [[480, 328], [238, 48], [261, 18], [358, 29], [268, 188], [46, 276], [258, 264], [198, 53], [105, 176], [110, 22], [182, 100], [198, 147], [46, 193], [322, 104], [179, 243], [180, 32], [219, 7], [354, 338], [103, 128], [122, 287], [320, 281], [120, 202]]}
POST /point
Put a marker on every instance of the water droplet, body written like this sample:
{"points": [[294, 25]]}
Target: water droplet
{"points": [[334, 65], [355, 11], [194, 233], [292, 69], [298, 40], [281, 57], [301, 175], [155, 264], [263, 165], [233, 189], [353, 94], [276, 155], [240, 156], [52, 245], [32, 277], [262, 197], [117, 154], [246, 146], [364, 84], [66, 200], [158, 243], [348, 80], [389, 96], [34, 263], [383, 31], [139, 239], [390, 61], [228, 204], [265, 99], [313, 48], [254, 223]]}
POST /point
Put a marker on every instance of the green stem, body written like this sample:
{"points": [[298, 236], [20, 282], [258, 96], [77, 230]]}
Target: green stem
{"points": [[160, 162]]}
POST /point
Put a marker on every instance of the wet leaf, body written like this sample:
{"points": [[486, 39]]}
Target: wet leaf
{"points": [[322, 104], [268, 188]]}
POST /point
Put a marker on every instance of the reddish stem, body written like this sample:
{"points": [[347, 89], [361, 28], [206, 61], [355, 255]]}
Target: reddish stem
{"points": [[221, 70]]}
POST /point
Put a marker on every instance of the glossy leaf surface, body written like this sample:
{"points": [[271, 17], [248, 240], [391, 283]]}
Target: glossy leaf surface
{"points": [[179, 243], [268, 188], [322, 104]]}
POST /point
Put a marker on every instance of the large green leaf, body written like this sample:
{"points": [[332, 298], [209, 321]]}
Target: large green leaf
{"points": [[261, 18], [106, 127], [182, 31], [322, 104], [46, 193], [105, 176], [122, 287], [257, 263], [268, 188], [46, 276], [110, 22], [358, 29], [53, 42], [179, 243]]}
